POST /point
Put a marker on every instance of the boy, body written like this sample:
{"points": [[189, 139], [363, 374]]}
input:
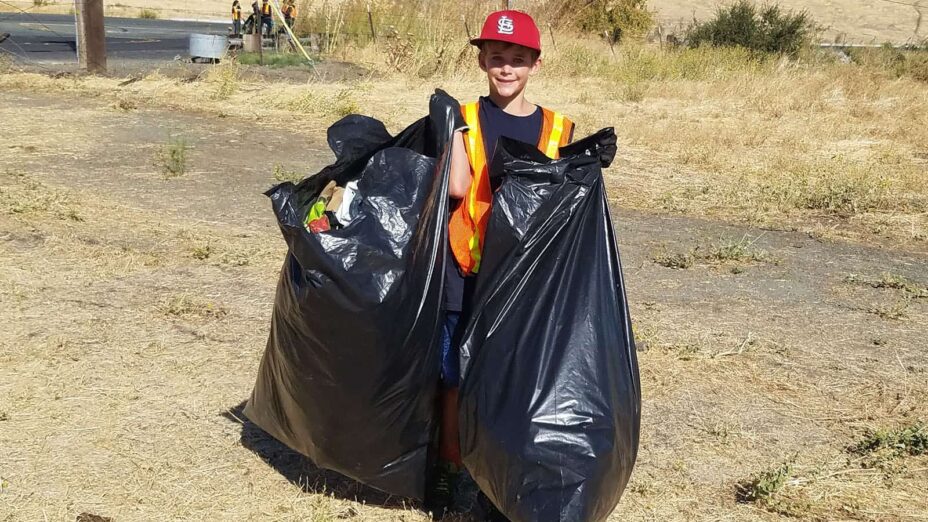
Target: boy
{"points": [[510, 53]]}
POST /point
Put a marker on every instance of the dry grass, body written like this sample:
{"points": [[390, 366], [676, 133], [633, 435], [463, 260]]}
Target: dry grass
{"points": [[890, 281], [711, 132], [734, 254]]}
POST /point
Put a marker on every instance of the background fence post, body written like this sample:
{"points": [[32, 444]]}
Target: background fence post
{"points": [[370, 21]]}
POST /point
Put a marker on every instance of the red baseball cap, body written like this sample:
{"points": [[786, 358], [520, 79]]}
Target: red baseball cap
{"points": [[510, 26]]}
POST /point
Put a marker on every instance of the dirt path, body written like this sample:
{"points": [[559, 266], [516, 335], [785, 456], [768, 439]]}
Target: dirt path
{"points": [[137, 309]]}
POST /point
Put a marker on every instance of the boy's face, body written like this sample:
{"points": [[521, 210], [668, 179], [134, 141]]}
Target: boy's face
{"points": [[508, 67]]}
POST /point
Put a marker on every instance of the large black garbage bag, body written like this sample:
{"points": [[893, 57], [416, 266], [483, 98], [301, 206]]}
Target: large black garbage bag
{"points": [[349, 374], [550, 400]]}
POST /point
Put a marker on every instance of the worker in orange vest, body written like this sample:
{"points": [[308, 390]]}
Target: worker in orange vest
{"points": [[510, 54], [267, 18], [236, 18], [290, 12]]}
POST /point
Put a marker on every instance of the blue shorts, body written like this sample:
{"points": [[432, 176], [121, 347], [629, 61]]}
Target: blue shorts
{"points": [[450, 351]]}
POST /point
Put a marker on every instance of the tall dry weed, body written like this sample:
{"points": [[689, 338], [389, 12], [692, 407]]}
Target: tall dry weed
{"points": [[225, 79], [329, 105], [421, 38], [6, 63]]}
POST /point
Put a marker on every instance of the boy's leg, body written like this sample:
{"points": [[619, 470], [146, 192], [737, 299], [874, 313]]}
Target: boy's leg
{"points": [[450, 466], [443, 479], [449, 448]]}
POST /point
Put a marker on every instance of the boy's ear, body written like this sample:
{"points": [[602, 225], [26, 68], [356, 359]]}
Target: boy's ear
{"points": [[480, 57], [535, 66]]}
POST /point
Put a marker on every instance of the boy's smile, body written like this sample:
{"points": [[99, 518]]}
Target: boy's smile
{"points": [[508, 69]]}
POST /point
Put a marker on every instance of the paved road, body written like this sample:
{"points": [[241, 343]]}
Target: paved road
{"points": [[50, 38]]}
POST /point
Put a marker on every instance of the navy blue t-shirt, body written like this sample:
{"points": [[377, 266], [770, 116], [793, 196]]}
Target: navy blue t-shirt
{"points": [[494, 122]]}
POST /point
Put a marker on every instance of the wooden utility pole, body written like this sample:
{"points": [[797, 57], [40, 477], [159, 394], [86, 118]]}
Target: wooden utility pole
{"points": [[91, 35]]}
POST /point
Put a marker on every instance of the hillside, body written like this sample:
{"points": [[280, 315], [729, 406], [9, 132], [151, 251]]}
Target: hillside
{"points": [[857, 21], [201, 9]]}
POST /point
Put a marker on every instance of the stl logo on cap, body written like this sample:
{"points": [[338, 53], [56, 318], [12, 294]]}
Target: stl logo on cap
{"points": [[505, 25], [510, 26]]}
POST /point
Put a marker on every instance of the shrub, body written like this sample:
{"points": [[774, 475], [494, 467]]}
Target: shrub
{"points": [[616, 19], [767, 29], [763, 487], [173, 157], [911, 440], [909, 62], [148, 14], [282, 174]]}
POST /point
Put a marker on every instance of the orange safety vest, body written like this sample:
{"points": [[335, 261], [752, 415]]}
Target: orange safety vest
{"points": [[266, 9], [469, 221], [236, 13]]}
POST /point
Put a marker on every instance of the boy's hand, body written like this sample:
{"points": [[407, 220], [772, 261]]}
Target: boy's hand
{"points": [[443, 99], [608, 148], [602, 144], [460, 179]]}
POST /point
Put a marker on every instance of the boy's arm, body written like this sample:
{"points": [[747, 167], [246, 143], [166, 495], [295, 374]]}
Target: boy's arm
{"points": [[460, 168]]}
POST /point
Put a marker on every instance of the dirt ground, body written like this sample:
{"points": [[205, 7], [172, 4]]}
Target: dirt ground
{"points": [[136, 309]]}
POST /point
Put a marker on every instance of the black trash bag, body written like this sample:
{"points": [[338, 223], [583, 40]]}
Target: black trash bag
{"points": [[350, 370], [550, 397]]}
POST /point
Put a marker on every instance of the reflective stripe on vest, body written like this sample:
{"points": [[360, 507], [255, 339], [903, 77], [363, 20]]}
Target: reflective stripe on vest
{"points": [[477, 157], [469, 220], [554, 142], [236, 14], [266, 9]]}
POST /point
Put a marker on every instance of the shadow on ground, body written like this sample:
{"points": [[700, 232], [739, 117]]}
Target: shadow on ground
{"points": [[301, 471]]}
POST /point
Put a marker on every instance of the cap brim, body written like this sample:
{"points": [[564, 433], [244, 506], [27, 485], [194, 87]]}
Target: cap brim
{"points": [[477, 42]]}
